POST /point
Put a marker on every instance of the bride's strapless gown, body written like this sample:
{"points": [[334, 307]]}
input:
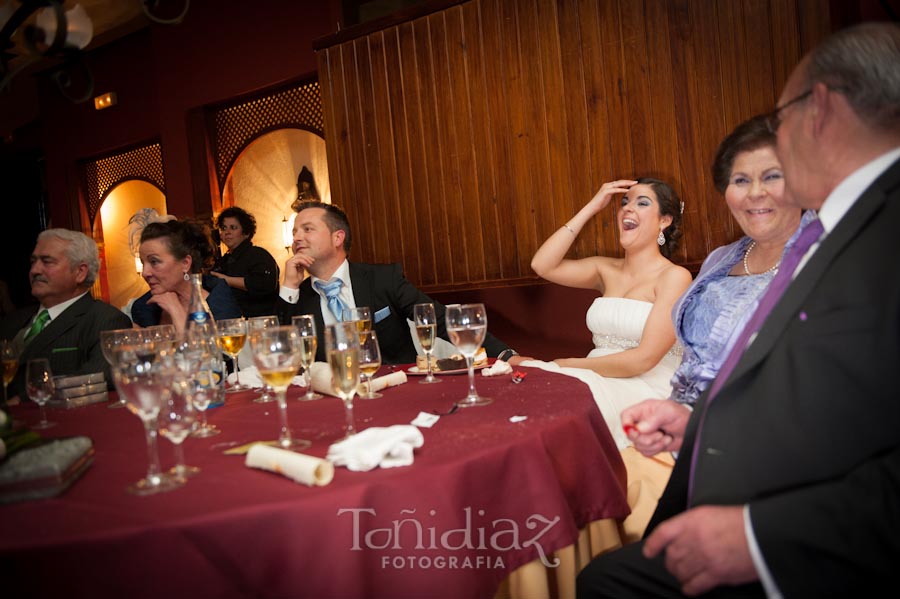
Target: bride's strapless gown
{"points": [[617, 324]]}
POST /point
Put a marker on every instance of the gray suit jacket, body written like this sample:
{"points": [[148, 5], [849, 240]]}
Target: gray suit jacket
{"points": [[806, 430], [71, 341], [391, 297]]}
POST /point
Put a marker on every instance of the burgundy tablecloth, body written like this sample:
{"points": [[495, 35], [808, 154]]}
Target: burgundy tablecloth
{"points": [[483, 497]]}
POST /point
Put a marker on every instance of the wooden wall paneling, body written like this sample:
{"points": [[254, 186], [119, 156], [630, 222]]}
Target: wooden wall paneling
{"points": [[785, 44], [498, 100], [479, 176], [758, 58], [367, 193], [337, 128], [637, 87]]}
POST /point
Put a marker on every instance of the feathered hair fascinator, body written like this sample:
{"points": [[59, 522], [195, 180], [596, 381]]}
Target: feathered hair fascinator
{"points": [[138, 221]]}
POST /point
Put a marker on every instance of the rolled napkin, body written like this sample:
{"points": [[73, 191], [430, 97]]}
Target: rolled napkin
{"points": [[497, 368], [321, 379], [387, 447], [250, 377], [297, 466]]}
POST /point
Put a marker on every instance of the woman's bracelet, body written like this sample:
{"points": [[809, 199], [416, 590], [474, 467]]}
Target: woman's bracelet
{"points": [[570, 229]]}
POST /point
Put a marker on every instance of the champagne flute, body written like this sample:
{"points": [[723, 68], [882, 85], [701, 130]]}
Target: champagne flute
{"points": [[146, 384], [9, 354], [40, 387], [276, 353], [362, 316], [466, 327], [342, 349], [306, 324], [177, 419], [254, 323], [426, 330], [232, 336], [369, 361]]}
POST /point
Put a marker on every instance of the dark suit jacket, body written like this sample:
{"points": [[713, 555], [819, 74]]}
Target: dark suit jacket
{"points": [[71, 341], [806, 429], [384, 289]]}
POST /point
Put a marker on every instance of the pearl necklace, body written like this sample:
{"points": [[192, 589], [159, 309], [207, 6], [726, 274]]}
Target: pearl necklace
{"points": [[747, 268]]}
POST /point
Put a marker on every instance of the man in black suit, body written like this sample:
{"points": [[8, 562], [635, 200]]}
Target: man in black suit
{"points": [[322, 242], [788, 474], [65, 327]]}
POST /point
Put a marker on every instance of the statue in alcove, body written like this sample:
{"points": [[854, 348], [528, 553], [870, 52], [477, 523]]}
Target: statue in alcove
{"points": [[306, 189]]}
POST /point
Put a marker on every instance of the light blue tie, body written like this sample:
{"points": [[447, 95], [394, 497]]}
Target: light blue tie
{"points": [[332, 291]]}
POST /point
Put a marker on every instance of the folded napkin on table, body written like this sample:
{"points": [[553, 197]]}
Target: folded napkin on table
{"points": [[297, 466], [387, 447], [321, 379], [497, 368], [250, 377]]}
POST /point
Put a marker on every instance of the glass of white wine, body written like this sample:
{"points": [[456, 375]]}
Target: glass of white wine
{"points": [[254, 323], [342, 349], [232, 336], [362, 316], [306, 324], [276, 353], [40, 387], [426, 331], [369, 361], [9, 354], [466, 327]]}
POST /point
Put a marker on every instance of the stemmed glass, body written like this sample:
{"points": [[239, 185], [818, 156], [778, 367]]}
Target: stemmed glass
{"points": [[177, 420], [199, 355], [426, 330], [276, 353], [113, 341], [362, 316], [466, 327], [232, 336], [161, 337], [306, 324], [40, 387], [255, 323], [146, 385], [342, 349], [9, 354], [369, 361]]}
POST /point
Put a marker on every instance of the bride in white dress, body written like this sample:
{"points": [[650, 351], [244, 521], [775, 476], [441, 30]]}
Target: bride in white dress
{"points": [[634, 353]]}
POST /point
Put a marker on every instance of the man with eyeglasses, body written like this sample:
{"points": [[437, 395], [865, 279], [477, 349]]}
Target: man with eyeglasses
{"points": [[788, 474]]}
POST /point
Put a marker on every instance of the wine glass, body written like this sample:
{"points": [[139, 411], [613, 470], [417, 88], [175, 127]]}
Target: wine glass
{"points": [[113, 341], [9, 354], [40, 387], [466, 327], [342, 349], [232, 336], [306, 324], [369, 361], [161, 337], [276, 353], [178, 418], [199, 355], [146, 385], [255, 323], [362, 316], [426, 330]]}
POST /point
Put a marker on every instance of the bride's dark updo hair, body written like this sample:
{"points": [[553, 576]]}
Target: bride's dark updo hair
{"points": [[669, 205]]}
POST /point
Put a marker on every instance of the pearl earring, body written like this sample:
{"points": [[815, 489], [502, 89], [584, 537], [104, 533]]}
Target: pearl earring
{"points": [[661, 239]]}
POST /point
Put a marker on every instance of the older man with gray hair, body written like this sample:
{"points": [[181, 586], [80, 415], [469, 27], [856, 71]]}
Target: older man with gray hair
{"points": [[65, 326]]}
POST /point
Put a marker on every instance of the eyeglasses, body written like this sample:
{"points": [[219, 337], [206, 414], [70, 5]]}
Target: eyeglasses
{"points": [[773, 119]]}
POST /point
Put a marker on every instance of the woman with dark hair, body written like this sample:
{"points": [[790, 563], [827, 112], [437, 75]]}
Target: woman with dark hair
{"points": [[249, 270], [634, 352], [170, 251]]}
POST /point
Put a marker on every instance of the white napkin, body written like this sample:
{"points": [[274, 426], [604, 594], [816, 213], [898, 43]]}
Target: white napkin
{"points": [[297, 466], [321, 379], [497, 368], [387, 447], [250, 377]]}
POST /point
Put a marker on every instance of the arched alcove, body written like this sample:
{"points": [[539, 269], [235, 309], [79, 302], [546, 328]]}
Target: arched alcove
{"points": [[263, 181], [121, 203]]}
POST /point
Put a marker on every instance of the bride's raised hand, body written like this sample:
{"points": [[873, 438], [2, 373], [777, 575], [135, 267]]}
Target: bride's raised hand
{"points": [[602, 198]]}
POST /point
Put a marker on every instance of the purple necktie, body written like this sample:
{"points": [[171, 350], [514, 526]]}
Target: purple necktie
{"points": [[807, 237]]}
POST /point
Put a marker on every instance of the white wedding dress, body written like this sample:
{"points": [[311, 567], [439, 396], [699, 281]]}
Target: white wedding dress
{"points": [[617, 324]]}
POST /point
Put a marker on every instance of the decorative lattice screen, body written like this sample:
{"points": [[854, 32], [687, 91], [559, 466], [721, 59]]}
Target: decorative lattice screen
{"points": [[100, 176]]}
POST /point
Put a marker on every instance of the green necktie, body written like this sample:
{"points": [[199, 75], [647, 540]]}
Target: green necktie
{"points": [[38, 325]]}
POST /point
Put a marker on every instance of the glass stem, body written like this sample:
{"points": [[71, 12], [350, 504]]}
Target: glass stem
{"points": [[470, 362], [43, 414], [430, 376], [348, 413], [203, 423], [179, 459], [152, 451], [237, 372], [284, 439]]}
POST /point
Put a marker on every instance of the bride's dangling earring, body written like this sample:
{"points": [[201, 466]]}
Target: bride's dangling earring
{"points": [[661, 239]]}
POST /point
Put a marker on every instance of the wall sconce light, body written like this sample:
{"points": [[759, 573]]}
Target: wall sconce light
{"points": [[106, 100], [287, 233]]}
